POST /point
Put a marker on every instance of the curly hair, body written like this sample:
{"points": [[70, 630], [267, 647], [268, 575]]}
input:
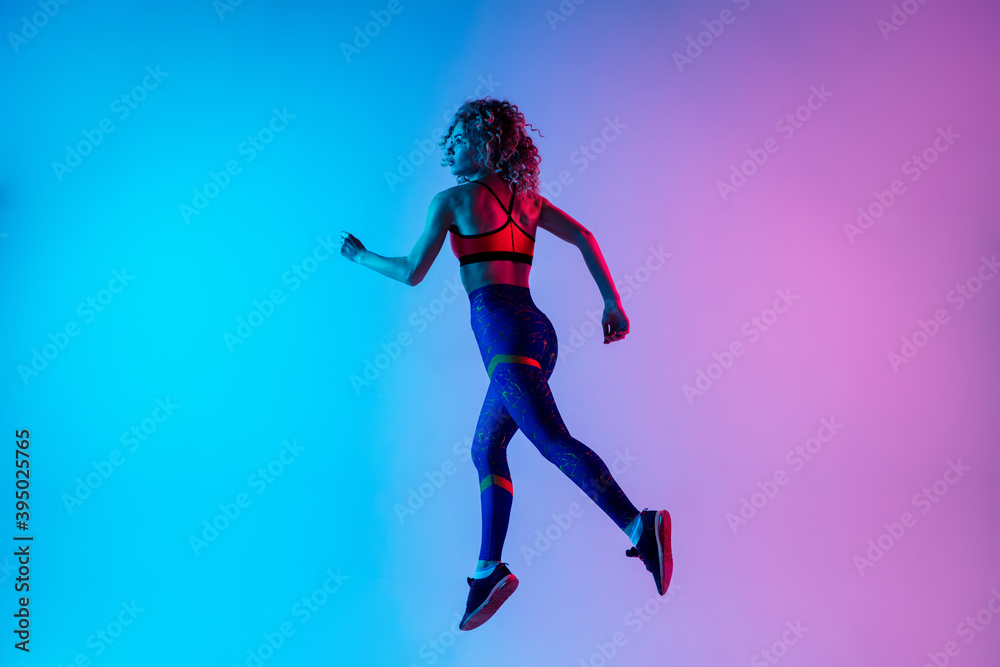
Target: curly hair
{"points": [[498, 138]]}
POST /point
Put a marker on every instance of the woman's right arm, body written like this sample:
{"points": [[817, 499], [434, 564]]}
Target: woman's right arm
{"points": [[562, 225], [614, 323]]}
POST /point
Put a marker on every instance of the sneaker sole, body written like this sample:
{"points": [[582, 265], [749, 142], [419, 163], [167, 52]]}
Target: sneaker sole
{"points": [[662, 526], [503, 590]]}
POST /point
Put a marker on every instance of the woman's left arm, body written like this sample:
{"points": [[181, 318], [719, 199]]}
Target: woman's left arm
{"points": [[409, 270]]}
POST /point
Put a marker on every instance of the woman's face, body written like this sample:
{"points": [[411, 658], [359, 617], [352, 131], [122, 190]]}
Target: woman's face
{"points": [[457, 155]]}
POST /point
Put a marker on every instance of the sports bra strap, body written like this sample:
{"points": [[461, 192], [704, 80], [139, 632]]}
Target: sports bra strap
{"points": [[513, 192]]}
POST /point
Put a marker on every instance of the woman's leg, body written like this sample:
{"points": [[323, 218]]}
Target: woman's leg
{"points": [[525, 392], [519, 348], [489, 454]]}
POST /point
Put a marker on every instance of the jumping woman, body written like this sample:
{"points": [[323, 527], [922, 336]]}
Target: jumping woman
{"points": [[489, 151]]}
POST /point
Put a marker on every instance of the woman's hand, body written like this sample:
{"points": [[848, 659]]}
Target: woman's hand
{"points": [[614, 323], [350, 247]]}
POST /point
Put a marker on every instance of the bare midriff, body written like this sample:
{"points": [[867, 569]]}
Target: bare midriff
{"points": [[504, 271]]}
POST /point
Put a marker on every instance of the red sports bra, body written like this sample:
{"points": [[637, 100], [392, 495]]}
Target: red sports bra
{"points": [[493, 245]]}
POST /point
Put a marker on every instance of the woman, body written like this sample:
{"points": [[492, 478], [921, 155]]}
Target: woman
{"points": [[489, 151]]}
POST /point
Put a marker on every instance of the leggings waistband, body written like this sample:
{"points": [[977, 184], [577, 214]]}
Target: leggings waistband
{"points": [[501, 291]]}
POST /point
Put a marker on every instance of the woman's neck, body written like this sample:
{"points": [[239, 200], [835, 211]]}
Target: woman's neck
{"points": [[480, 175]]}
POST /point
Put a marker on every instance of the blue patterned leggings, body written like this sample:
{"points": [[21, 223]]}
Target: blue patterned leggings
{"points": [[519, 346]]}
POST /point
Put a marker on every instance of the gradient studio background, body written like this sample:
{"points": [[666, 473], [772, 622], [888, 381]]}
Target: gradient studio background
{"points": [[189, 426]]}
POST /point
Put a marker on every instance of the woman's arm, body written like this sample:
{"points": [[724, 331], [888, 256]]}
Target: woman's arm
{"points": [[599, 269], [614, 323], [566, 228], [409, 270], [391, 267]]}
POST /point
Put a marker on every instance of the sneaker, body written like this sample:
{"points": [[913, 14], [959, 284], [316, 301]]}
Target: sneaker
{"points": [[486, 595], [654, 547]]}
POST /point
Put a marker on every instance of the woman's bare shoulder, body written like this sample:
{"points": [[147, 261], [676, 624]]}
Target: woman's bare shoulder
{"points": [[455, 195]]}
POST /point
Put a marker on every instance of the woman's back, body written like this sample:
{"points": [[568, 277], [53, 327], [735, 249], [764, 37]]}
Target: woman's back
{"points": [[490, 247], [477, 211]]}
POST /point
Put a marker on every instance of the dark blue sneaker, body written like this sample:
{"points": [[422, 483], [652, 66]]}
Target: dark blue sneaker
{"points": [[654, 547], [486, 595]]}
